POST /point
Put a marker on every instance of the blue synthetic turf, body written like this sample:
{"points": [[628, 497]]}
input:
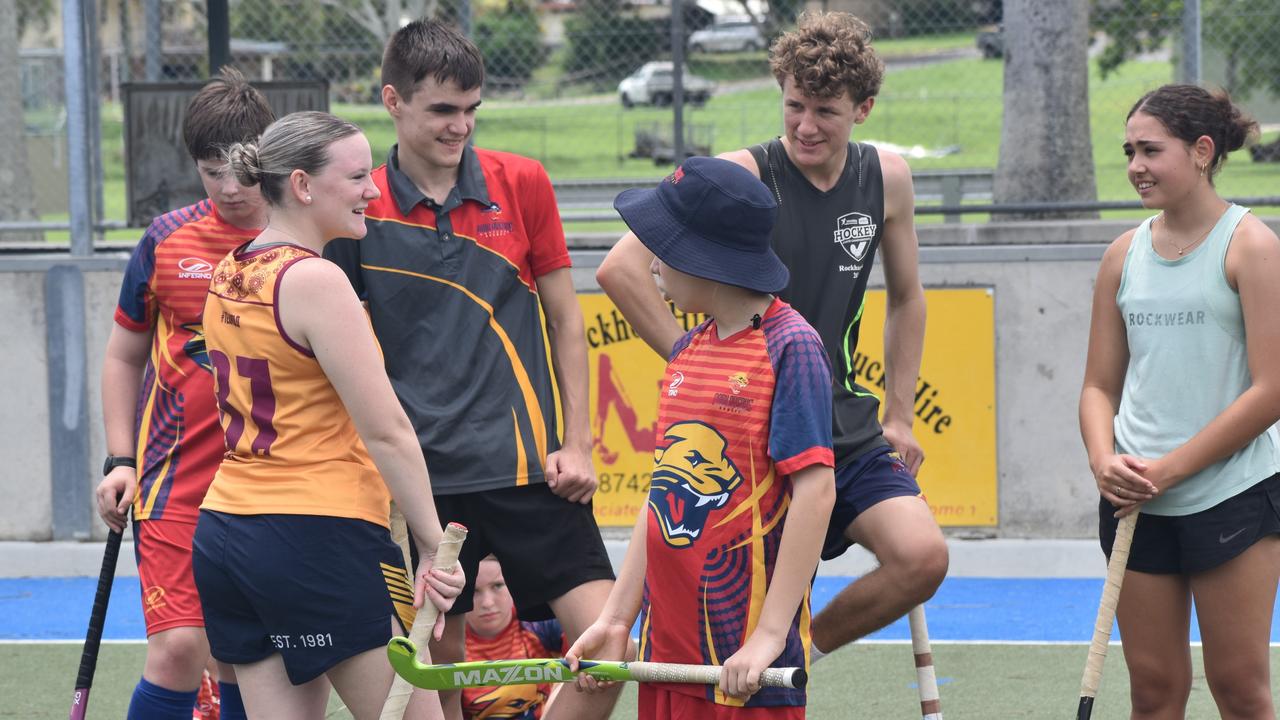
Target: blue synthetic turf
{"points": [[965, 609]]}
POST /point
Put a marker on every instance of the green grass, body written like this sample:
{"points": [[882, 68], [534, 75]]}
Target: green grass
{"points": [[864, 681], [954, 103]]}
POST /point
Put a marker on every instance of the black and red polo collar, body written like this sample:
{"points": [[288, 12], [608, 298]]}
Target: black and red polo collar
{"points": [[470, 184]]}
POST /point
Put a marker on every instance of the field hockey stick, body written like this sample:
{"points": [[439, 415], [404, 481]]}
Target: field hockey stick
{"points": [[97, 617], [425, 621], [455, 676], [926, 677], [1106, 615]]}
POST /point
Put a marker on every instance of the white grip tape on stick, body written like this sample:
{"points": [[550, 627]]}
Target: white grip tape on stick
{"points": [[425, 621], [1107, 606], [926, 676], [703, 674]]}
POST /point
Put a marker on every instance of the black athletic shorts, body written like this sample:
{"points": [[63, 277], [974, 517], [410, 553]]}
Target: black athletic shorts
{"points": [[546, 545], [318, 590], [873, 477], [1189, 544]]}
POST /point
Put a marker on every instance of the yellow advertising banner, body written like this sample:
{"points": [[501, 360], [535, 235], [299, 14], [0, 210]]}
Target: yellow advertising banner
{"points": [[955, 403]]}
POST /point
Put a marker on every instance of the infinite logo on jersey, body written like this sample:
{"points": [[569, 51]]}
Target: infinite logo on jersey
{"points": [[692, 476], [193, 267], [854, 232]]}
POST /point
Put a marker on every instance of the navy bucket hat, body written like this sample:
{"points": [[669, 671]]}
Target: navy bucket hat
{"points": [[711, 219]]}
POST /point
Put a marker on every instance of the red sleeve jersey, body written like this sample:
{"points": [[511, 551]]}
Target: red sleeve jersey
{"points": [[736, 418], [179, 440]]}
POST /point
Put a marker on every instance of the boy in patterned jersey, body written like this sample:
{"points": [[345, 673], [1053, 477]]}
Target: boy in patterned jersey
{"points": [[495, 633], [157, 397], [717, 570], [839, 202]]}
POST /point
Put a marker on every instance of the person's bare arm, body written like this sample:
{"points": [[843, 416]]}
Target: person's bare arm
{"points": [[905, 309], [123, 364], [813, 495], [1105, 364], [569, 471], [319, 309], [625, 277]]}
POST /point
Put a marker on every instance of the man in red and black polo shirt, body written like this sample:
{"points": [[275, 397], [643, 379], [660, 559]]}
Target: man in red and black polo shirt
{"points": [[463, 251]]}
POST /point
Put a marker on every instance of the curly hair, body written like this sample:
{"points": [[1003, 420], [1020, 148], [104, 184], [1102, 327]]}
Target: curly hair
{"points": [[827, 54]]}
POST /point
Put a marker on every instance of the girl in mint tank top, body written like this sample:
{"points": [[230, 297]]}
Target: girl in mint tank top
{"points": [[1181, 395]]}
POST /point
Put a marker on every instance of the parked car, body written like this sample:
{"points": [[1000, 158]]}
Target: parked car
{"points": [[727, 37], [991, 41], [652, 85]]}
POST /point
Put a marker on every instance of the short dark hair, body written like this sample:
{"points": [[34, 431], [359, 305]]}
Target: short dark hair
{"points": [[227, 110], [1189, 112], [828, 53], [429, 47]]}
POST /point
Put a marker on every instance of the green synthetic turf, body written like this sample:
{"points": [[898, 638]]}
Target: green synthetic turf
{"points": [[874, 681]]}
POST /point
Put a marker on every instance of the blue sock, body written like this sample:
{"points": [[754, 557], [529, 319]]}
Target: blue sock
{"points": [[232, 703], [152, 702]]}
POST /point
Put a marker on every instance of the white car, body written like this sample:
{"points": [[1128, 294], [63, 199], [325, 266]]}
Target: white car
{"points": [[727, 37], [652, 85]]}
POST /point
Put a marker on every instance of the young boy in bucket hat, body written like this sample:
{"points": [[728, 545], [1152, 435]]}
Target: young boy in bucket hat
{"points": [[717, 567]]}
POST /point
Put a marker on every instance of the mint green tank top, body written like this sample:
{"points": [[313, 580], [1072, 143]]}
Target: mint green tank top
{"points": [[1187, 363]]}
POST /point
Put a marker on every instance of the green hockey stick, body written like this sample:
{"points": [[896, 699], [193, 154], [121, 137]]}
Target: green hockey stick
{"points": [[453, 676]]}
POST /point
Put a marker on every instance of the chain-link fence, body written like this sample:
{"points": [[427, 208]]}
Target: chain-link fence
{"points": [[585, 85]]}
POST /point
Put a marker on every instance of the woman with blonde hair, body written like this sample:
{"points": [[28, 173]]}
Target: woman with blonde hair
{"points": [[297, 572]]}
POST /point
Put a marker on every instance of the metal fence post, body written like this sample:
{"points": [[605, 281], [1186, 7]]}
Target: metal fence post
{"points": [[1191, 32], [79, 175], [677, 80], [153, 18]]}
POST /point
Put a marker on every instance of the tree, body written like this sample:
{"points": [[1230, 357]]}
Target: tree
{"points": [[511, 43], [1244, 31], [17, 198], [1045, 150]]}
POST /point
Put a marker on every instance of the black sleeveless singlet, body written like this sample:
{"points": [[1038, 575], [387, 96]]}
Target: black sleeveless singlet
{"points": [[829, 240]]}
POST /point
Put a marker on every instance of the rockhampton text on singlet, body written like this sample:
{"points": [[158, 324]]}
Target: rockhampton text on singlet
{"points": [[1166, 319]]}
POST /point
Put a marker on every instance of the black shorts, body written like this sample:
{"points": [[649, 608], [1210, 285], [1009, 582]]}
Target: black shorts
{"points": [[1189, 544], [546, 545], [871, 478], [317, 590]]}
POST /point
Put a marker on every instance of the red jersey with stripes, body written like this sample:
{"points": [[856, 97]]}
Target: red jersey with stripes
{"points": [[452, 293], [179, 439], [737, 417], [517, 641]]}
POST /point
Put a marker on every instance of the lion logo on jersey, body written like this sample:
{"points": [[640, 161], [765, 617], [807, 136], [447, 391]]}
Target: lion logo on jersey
{"points": [[692, 476]]}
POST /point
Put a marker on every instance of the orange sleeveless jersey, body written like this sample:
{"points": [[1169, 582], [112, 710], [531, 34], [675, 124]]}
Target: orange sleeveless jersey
{"points": [[291, 446]]}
